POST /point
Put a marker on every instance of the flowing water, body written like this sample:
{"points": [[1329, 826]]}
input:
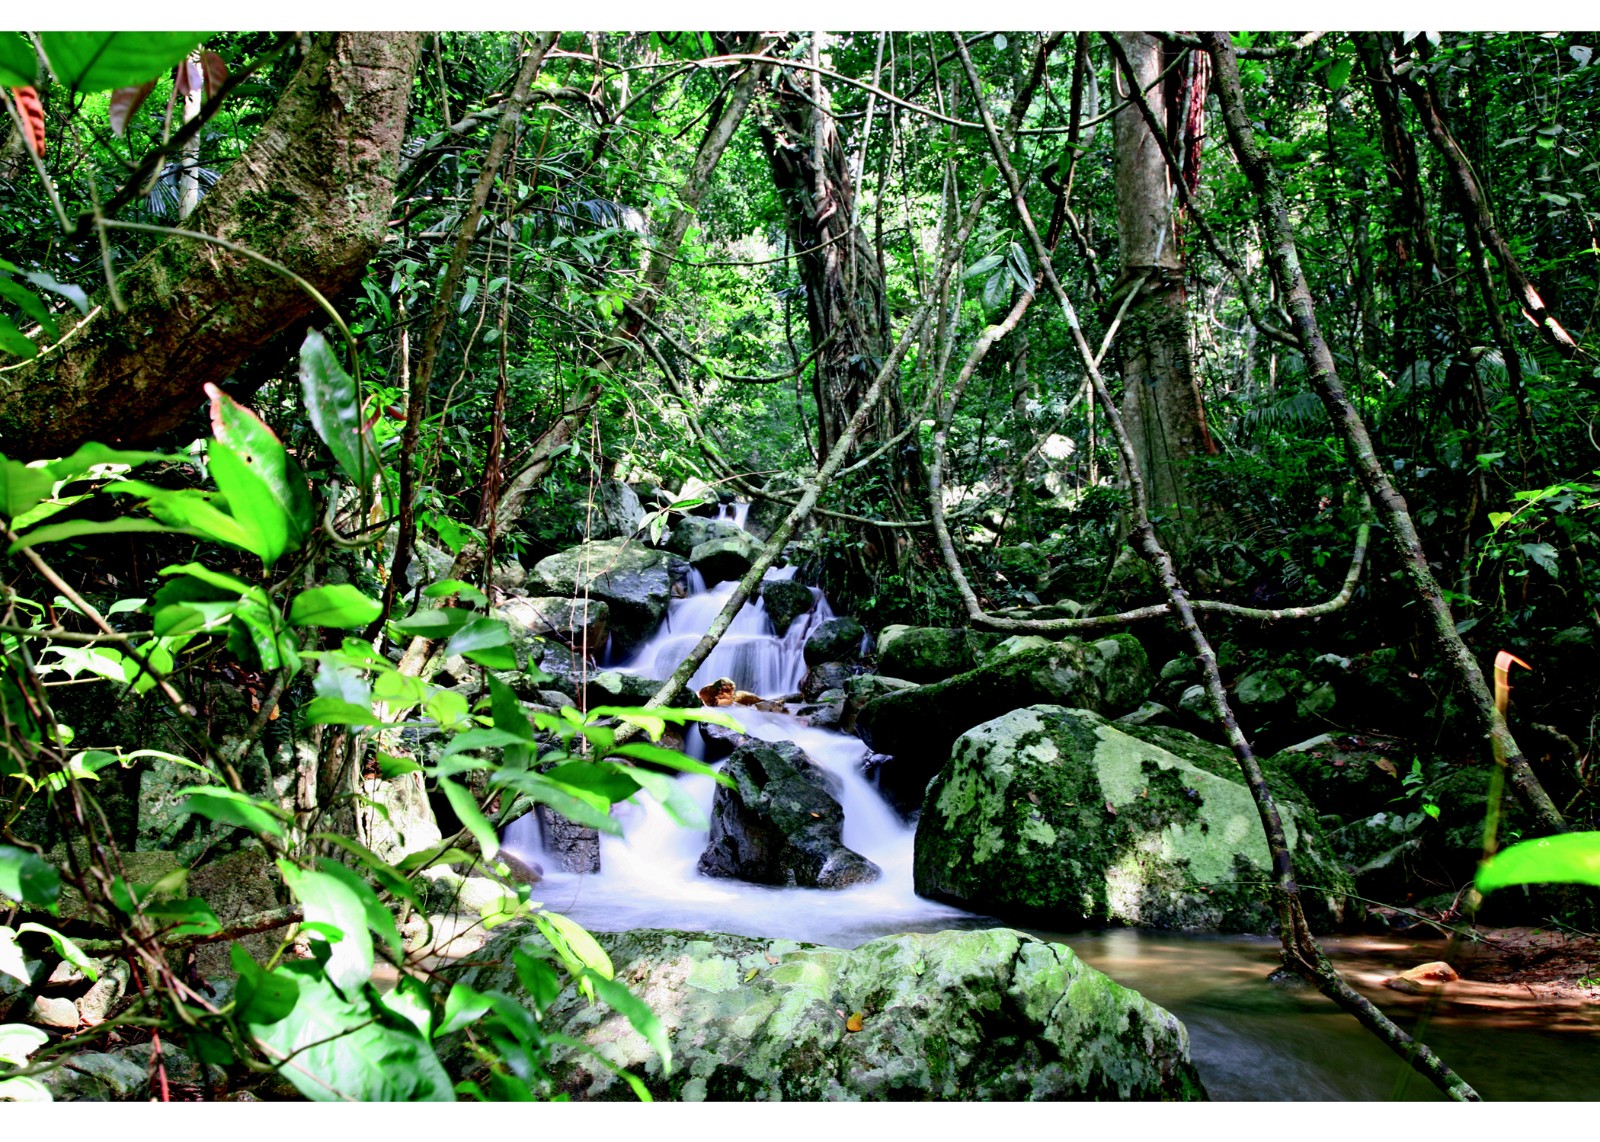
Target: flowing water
{"points": [[1250, 1040]]}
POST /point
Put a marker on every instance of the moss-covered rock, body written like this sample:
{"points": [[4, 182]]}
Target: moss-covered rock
{"points": [[835, 640], [787, 600], [636, 581], [614, 688], [691, 531], [973, 1016], [780, 823], [574, 622], [918, 727], [1060, 816], [932, 654], [725, 557]]}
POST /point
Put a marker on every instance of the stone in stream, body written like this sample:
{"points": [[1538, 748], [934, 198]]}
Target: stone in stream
{"points": [[825, 676], [691, 531], [917, 727], [930, 654], [977, 1015], [787, 600], [718, 693], [635, 581], [572, 622], [727, 557], [835, 640], [1060, 817], [780, 824]]}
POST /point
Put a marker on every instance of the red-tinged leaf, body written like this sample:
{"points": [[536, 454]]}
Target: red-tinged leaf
{"points": [[125, 102], [189, 76], [216, 72], [32, 113]]}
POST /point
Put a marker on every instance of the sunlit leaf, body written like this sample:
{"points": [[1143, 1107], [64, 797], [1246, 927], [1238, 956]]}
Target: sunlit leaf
{"points": [[1570, 858]]}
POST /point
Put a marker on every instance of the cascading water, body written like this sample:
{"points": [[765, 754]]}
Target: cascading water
{"points": [[648, 876]]}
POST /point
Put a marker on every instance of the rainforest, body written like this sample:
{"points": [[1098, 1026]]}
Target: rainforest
{"points": [[811, 566]]}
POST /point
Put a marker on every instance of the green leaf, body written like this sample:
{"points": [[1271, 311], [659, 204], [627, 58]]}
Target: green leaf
{"points": [[336, 605], [572, 942], [65, 948], [437, 623], [263, 997], [195, 512], [1543, 554], [379, 918], [18, 1041], [480, 739], [670, 793], [264, 485], [21, 487], [507, 712], [1570, 858], [381, 870], [577, 805], [24, 1089], [335, 409], [337, 712], [608, 781], [462, 1006], [454, 587], [103, 61], [72, 293], [230, 808], [477, 635], [189, 917], [31, 304], [1339, 73], [19, 65], [493, 657], [72, 529], [27, 878], [330, 899], [537, 977], [13, 342], [466, 808]]}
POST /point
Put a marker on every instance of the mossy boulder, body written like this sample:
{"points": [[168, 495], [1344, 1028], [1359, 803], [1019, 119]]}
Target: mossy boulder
{"points": [[635, 581], [573, 622], [1058, 816], [780, 823], [835, 640], [691, 531], [918, 727], [615, 688], [726, 557], [972, 1016], [931, 654], [787, 600]]}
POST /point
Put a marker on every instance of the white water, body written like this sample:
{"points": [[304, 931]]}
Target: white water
{"points": [[648, 876]]}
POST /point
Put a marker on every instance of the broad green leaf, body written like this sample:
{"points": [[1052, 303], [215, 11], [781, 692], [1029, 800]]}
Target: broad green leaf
{"points": [[670, 793], [384, 872], [1339, 73], [462, 1006], [229, 584], [330, 899], [577, 805], [19, 64], [508, 713], [493, 657], [411, 1000], [72, 529], [18, 1041], [335, 409], [227, 807], [1570, 858], [263, 997], [337, 712], [24, 1089], [65, 948], [608, 781], [672, 759], [573, 944], [190, 917], [466, 808], [454, 587], [437, 623], [14, 974], [336, 605], [197, 513], [13, 342], [537, 977], [480, 739], [27, 878], [21, 487], [101, 61], [72, 293], [263, 483], [477, 635], [31, 304], [379, 918]]}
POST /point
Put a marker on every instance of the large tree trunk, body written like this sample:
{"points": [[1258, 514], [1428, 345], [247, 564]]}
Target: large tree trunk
{"points": [[313, 191], [1161, 397]]}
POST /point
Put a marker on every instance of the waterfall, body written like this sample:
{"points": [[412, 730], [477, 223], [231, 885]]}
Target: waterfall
{"points": [[648, 876]]}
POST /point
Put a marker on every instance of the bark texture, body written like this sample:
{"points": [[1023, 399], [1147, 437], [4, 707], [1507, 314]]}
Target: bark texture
{"points": [[313, 191]]}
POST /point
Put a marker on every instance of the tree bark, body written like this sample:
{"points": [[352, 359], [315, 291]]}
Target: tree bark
{"points": [[313, 191]]}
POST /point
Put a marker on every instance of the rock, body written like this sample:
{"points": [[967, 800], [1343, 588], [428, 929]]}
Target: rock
{"points": [[53, 1011], [1023, 564], [614, 688], [1177, 673], [1016, 644], [1417, 980], [718, 693], [1263, 688], [787, 600], [765, 517], [780, 824], [918, 727], [975, 1015], [509, 575], [429, 565], [635, 581], [237, 886], [407, 824], [573, 622], [691, 531], [824, 676], [835, 640], [694, 488], [721, 741], [931, 654], [616, 511], [574, 847], [94, 1006], [142, 868], [726, 558], [1064, 818], [97, 1076], [1151, 713], [1195, 703], [1350, 775]]}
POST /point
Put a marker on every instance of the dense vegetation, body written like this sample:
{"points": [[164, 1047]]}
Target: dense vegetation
{"points": [[311, 344]]}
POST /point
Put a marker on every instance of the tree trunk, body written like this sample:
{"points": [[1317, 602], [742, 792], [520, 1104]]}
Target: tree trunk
{"points": [[1161, 403], [313, 191]]}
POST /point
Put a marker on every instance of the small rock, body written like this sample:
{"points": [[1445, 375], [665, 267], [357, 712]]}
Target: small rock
{"points": [[718, 693], [54, 1011], [1415, 981]]}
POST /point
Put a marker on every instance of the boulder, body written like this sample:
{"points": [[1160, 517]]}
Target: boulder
{"points": [[976, 1015], [824, 676], [727, 557], [635, 581], [718, 693], [835, 640], [509, 575], [1016, 644], [1061, 817], [429, 564], [765, 517], [239, 885], [398, 818], [787, 600], [614, 688], [780, 824], [616, 511], [572, 622], [720, 741], [918, 727], [691, 531], [573, 847], [931, 654]]}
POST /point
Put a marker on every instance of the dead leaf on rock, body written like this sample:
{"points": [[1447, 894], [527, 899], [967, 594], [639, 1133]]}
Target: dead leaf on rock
{"points": [[855, 1022]]}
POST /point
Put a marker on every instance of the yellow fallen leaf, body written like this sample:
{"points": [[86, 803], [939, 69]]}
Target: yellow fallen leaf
{"points": [[854, 1023], [751, 974], [1387, 766]]}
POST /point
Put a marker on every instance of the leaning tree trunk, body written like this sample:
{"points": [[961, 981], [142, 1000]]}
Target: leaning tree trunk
{"points": [[1161, 403], [313, 191]]}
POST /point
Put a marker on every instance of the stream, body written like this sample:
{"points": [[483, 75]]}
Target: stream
{"points": [[1251, 1040]]}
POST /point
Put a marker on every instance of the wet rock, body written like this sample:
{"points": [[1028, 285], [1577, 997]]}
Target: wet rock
{"points": [[919, 726], [765, 517], [694, 488], [984, 1016], [99, 1076], [1062, 817], [780, 824], [787, 600], [614, 688], [835, 640], [1016, 644], [726, 558], [930, 654], [617, 512], [406, 824], [572, 622], [53, 1011], [94, 1006], [691, 531], [720, 741], [718, 693], [429, 565], [1423, 978], [573, 847], [1195, 704], [635, 581], [824, 676], [824, 714]]}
